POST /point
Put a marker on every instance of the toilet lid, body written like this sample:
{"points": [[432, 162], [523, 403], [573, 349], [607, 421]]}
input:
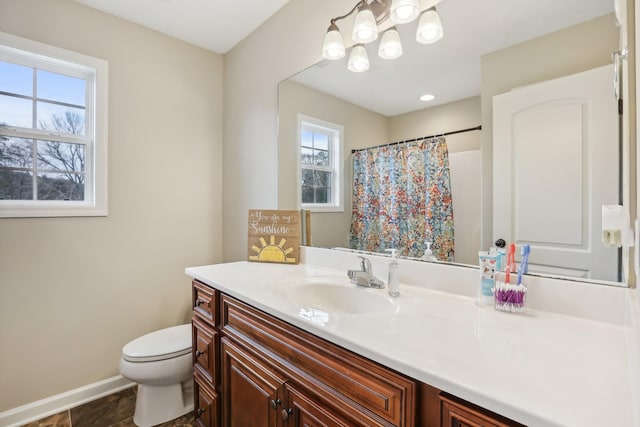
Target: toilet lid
{"points": [[159, 345]]}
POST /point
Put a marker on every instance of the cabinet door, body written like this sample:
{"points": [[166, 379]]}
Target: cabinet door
{"points": [[301, 411], [251, 390], [206, 404]]}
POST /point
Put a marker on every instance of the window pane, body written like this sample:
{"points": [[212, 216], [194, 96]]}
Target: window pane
{"points": [[321, 158], [16, 152], [16, 185], [322, 179], [57, 87], [307, 194], [307, 178], [306, 156], [16, 111], [60, 186], [16, 79], [316, 186], [307, 138], [322, 195], [321, 141], [61, 119], [60, 156]]}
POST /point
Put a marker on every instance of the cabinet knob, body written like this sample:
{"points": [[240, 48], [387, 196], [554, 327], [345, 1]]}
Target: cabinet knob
{"points": [[275, 403], [199, 353], [199, 412], [199, 303], [500, 243], [286, 413]]}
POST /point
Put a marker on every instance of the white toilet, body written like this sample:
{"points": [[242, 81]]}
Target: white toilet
{"points": [[161, 364]]}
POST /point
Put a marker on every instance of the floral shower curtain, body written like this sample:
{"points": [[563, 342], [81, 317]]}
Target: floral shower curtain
{"points": [[402, 199]]}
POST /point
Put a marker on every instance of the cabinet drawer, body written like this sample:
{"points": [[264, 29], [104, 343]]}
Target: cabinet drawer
{"points": [[205, 404], [205, 350], [458, 413], [328, 370], [204, 302]]}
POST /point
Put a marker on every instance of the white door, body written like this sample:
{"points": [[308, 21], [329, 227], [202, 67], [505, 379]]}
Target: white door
{"points": [[555, 162]]}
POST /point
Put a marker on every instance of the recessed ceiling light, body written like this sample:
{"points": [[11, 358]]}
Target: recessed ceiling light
{"points": [[427, 97]]}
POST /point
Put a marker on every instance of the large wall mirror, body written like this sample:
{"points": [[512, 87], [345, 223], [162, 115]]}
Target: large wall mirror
{"points": [[490, 48]]}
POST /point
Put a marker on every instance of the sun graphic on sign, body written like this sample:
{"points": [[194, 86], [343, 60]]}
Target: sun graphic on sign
{"points": [[272, 252]]}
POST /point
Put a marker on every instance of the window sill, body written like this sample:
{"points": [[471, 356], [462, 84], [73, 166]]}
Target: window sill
{"points": [[323, 209], [12, 209]]}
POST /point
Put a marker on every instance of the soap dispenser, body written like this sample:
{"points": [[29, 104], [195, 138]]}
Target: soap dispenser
{"points": [[393, 284], [428, 254]]}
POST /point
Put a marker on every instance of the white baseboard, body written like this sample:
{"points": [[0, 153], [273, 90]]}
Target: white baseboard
{"points": [[63, 401]]}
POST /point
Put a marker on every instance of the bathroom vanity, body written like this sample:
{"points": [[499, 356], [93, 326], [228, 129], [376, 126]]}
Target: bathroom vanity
{"points": [[282, 345]]}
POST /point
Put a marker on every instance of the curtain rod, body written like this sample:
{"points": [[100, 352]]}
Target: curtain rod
{"points": [[453, 132]]}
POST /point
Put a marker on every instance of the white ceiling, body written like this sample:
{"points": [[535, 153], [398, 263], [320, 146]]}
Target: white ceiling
{"points": [[216, 25]]}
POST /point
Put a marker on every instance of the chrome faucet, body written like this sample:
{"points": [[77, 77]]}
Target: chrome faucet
{"points": [[364, 276]]}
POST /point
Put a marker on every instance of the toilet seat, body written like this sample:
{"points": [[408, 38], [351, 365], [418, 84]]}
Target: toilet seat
{"points": [[159, 345]]}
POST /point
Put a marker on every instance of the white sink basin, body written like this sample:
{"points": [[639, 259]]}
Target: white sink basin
{"points": [[331, 298]]}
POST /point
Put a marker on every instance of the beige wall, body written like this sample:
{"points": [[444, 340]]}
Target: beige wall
{"points": [[579, 48], [74, 290], [281, 47], [362, 128]]}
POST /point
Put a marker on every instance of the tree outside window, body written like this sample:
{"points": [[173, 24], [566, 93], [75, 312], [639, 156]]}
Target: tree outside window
{"points": [[53, 140]]}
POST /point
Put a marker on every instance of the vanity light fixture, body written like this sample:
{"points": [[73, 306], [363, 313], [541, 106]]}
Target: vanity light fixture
{"points": [[371, 16], [365, 29], [333, 44], [390, 46], [404, 11], [429, 27], [358, 60]]}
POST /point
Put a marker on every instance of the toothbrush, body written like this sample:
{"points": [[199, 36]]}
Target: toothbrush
{"points": [[510, 263], [524, 263]]}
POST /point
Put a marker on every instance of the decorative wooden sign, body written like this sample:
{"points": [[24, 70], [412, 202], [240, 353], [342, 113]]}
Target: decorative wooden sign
{"points": [[274, 236]]}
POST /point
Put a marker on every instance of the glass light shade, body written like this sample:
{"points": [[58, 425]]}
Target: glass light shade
{"points": [[403, 11], [358, 60], [390, 46], [365, 29], [333, 47], [429, 28]]}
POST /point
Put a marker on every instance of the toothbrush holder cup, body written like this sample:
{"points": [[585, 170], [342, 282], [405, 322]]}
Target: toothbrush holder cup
{"points": [[510, 297]]}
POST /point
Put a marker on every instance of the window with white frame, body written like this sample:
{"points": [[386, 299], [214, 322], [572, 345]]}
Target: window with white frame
{"points": [[53, 143], [320, 144]]}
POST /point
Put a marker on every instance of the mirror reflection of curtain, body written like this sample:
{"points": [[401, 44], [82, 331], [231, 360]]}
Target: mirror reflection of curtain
{"points": [[402, 199]]}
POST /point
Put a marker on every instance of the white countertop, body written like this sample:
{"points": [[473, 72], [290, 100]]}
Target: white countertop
{"points": [[538, 368]]}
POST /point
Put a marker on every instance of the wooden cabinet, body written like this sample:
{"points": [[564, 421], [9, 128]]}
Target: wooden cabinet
{"points": [[251, 392], [364, 392], [458, 413], [205, 300], [205, 351], [206, 404], [253, 370], [302, 411]]}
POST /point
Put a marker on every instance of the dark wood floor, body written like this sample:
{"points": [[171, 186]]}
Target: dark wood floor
{"points": [[115, 410]]}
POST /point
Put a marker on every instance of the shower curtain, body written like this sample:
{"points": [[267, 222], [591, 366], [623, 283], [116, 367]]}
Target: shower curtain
{"points": [[402, 199]]}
